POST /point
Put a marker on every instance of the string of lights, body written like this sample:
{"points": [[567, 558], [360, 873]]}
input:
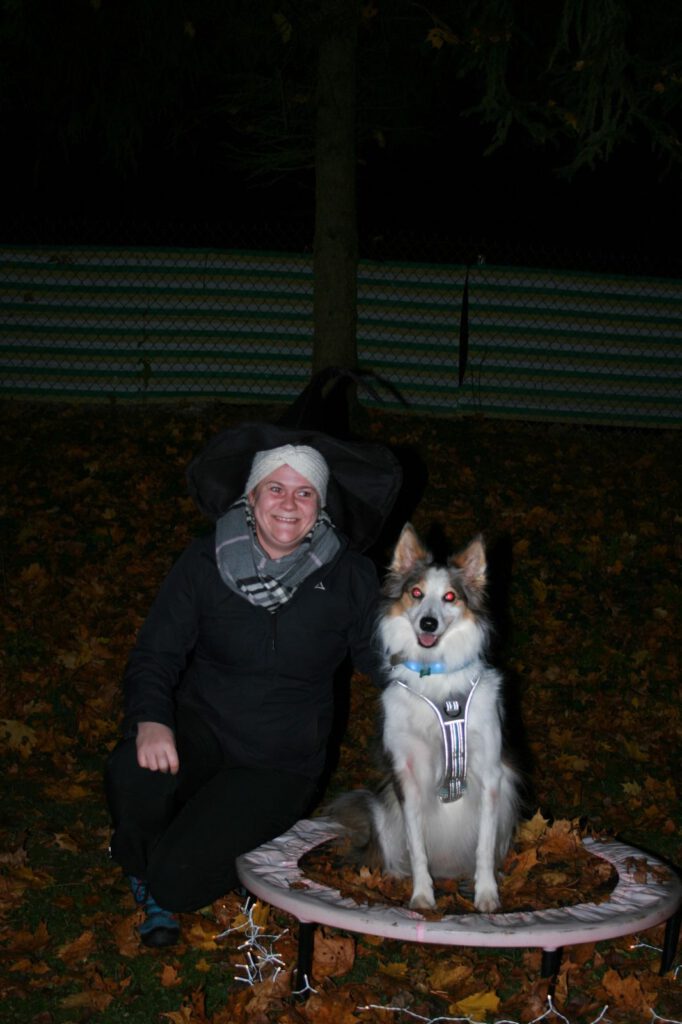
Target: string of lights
{"points": [[550, 1012], [262, 963]]}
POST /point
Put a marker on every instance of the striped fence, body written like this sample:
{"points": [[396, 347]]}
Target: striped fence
{"points": [[499, 341]]}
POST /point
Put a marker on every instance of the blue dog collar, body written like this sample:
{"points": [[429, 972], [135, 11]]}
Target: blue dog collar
{"points": [[434, 668], [437, 668]]}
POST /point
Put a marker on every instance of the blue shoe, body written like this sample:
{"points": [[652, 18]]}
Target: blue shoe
{"points": [[160, 927], [139, 889]]}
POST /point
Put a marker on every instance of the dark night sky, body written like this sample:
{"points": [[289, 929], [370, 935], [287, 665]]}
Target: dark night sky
{"points": [[428, 189], [434, 187]]}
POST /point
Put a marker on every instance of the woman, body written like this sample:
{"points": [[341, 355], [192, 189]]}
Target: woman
{"points": [[229, 690]]}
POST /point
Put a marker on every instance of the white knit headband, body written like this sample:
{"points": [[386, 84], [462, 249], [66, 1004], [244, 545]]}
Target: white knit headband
{"points": [[305, 460]]}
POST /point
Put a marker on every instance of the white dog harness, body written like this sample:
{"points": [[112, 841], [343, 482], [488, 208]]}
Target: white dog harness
{"points": [[453, 720]]}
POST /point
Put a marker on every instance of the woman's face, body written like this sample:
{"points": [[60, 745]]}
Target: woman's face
{"points": [[285, 507]]}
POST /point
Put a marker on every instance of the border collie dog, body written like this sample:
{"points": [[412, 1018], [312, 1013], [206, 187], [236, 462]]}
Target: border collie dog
{"points": [[449, 807]]}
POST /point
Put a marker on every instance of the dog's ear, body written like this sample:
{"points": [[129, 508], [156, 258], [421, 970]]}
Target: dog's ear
{"points": [[408, 551], [472, 562]]}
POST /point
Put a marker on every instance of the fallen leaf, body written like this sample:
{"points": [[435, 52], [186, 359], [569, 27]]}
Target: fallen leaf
{"points": [[170, 976], [66, 842], [92, 999], [448, 976], [126, 935], [476, 1004], [30, 942], [79, 949], [333, 955], [18, 736]]}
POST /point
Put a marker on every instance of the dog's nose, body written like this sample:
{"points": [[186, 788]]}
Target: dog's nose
{"points": [[428, 624]]}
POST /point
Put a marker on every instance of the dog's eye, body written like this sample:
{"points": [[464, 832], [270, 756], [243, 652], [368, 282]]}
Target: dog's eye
{"points": [[450, 596], [417, 593]]}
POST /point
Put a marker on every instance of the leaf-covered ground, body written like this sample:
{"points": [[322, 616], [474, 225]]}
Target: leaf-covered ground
{"points": [[583, 527]]}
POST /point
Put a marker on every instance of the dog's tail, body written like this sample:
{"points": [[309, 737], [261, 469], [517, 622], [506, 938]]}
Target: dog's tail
{"points": [[355, 811]]}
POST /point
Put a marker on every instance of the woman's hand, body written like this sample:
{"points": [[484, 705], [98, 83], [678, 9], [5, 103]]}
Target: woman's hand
{"points": [[156, 748]]}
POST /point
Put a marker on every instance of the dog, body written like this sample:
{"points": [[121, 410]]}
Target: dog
{"points": [[450, 805]]}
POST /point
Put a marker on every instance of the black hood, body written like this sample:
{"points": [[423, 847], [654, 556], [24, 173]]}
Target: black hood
{"points": [[364, 478]]}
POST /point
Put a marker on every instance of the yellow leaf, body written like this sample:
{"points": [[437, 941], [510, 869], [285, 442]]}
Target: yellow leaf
{"points": [[530, 831], [259, 914], [478, 1003], [450, 975], [539, 590], [201, 934], [634, 751], [395, 970]]}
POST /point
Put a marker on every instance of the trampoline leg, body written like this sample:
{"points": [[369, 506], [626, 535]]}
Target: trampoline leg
{"points": [[670, 940], [551, 962], [302, 977]]}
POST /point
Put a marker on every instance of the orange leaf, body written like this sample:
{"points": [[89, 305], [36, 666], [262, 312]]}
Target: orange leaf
{"points": [[331, 1008], [78, 949], [170, 976], [624, 992], [181, 1016], [333, 955], [126, 935], [17, 736], [94, 999], [29, 942]]}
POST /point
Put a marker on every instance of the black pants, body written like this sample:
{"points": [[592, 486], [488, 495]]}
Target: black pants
{"points": [[182, 833]]}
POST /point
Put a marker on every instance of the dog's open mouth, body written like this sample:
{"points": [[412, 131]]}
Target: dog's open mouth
{"points": [[427, 639]]}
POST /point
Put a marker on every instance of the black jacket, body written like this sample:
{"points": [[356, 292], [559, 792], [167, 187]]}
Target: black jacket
{"points": [[262, 681]]}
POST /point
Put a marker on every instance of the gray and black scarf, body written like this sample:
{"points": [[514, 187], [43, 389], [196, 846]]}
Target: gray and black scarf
{"points": [[251, 573]]}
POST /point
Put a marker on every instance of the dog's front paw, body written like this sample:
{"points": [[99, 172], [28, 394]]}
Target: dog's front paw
{"points": [[487, 900], [422, 899]]}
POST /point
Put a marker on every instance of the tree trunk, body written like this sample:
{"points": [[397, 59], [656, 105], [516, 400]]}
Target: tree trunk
{"points": [[336, 234]]}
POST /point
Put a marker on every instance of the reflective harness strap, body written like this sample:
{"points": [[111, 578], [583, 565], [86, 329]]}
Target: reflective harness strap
{"points": [[454, 735]]}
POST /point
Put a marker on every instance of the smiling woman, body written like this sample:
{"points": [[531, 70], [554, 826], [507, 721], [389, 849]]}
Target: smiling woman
{"points": [[285, 508], [229, 689]]}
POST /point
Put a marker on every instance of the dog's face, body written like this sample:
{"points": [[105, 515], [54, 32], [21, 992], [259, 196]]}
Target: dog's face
{"points": [[431, 600], [434, 600]]}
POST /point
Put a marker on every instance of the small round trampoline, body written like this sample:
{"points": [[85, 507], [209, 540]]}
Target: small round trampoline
{"points": [[639, 901]]}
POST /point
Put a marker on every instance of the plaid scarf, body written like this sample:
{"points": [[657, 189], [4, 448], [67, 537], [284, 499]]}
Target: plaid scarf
{"points": [[250, 572]]}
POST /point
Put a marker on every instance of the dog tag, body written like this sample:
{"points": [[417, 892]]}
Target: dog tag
{"points": [[452, 708], [451, 791]]}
